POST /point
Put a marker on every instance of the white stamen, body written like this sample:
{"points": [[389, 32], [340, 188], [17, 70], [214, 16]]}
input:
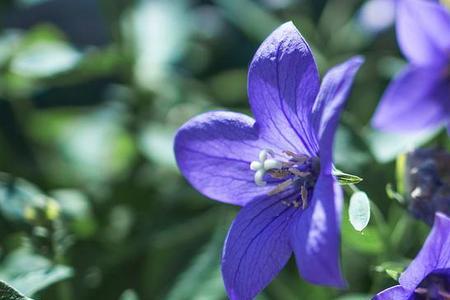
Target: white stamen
{"points": [[259, 175], [271, 163], [256, 165], [263, 154], [263, 165]]}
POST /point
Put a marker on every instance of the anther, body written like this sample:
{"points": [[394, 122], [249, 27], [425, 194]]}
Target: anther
{"points": [[304, 194], [281, 187]]}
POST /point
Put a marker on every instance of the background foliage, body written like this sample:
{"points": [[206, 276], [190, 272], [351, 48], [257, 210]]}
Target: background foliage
{"points": [[91, 93]]}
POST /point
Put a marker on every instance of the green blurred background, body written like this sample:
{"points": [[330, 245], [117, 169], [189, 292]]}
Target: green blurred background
{"points": [[91, 93]]}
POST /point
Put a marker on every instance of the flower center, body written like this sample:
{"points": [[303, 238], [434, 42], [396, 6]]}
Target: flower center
{"points": [[434, 287], [297, 170]]}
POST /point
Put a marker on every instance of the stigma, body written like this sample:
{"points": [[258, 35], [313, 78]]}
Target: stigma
{"points": [[266, 162]]}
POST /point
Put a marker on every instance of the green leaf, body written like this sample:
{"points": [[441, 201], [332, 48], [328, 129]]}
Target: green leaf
{"points": [[346, 179], [9, 293], [359, 210]]}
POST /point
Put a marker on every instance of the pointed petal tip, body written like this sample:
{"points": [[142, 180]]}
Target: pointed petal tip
{"points": [[357, 60], [441, 220]]}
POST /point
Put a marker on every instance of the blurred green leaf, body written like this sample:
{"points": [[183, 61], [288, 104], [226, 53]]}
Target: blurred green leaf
{"points": [[9, 293], [355, 297], [386, 146], [44, 59], [359, 210], [368, 241], [346, 145], [202, 280], [157, 32], [31, 273], [255, 21], [156, 142], [17, 195], [129, 295]]}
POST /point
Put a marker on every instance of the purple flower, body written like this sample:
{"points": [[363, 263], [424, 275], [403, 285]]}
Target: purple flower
{"points": [[428, 275], [419, 97], [427, 183], [278, 167]]}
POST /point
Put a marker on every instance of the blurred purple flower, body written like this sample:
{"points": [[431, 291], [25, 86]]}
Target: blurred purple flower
{"points": [[428, 275], [278, 167], [427, 183], [419, 97]]}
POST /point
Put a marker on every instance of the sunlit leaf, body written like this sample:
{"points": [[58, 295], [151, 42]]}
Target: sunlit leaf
{"points": [[156, 142], [45, 59], [9, 293], [31, 273], [158, 32], [386, 146]]}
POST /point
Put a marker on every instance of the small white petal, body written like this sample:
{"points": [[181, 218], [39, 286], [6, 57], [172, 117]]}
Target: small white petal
{"points": [[271, 163], [259, 175], [256, 165]]}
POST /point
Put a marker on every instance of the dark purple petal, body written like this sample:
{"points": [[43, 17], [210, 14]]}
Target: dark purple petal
{"points": [[214, 152], [434, 255], [283, 82], [423, 31], [416, 99], [316, 238], [257, 246], [329, 103], [394, 293]]}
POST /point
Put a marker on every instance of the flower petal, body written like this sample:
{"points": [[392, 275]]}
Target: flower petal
{"points": [[214, 152], [257, 246], [434, 255], [415, 100], [329, 103], [316, 235], [283, 82], [394, 293], [423, 31]]}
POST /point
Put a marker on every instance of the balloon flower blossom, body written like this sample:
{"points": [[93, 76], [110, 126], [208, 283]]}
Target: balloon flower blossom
{"points": [[419, 97], [278, 166], [428, 275]]}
